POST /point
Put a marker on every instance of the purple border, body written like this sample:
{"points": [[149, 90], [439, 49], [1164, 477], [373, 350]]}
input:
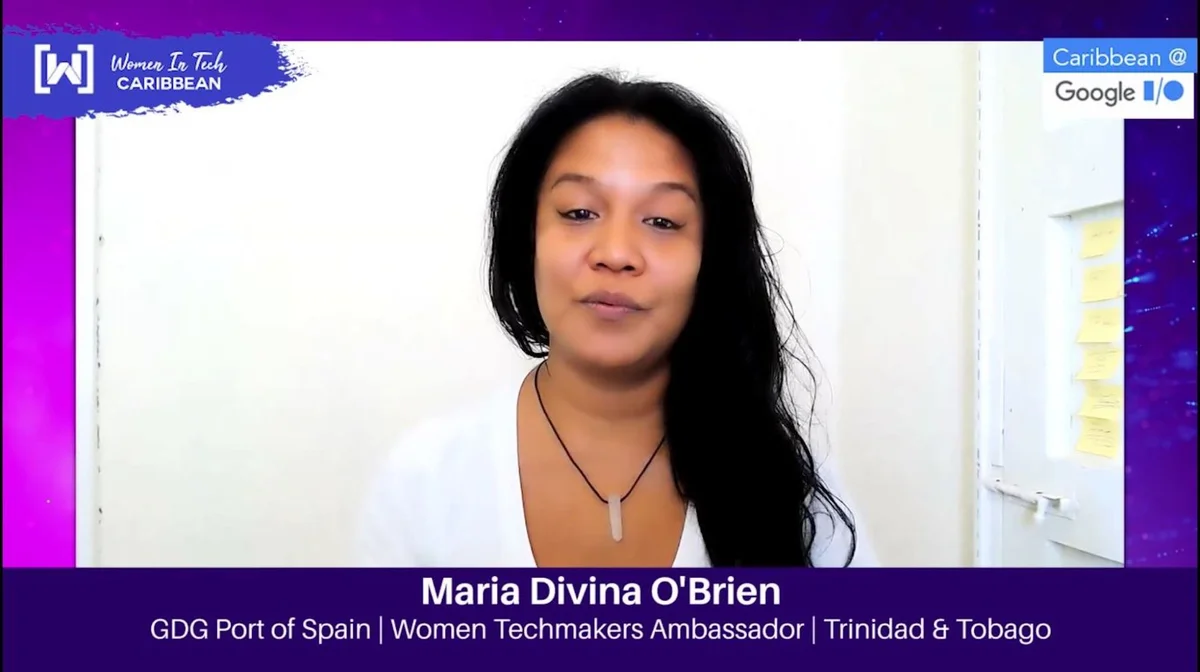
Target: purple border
{"points": [[38, 266], [1102, 620], [1160, 344], [39, 343]]}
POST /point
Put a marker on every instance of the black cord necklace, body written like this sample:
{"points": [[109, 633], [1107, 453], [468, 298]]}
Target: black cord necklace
{"points": [[613, 501]]}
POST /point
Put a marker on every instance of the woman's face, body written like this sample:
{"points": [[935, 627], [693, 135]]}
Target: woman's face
{"points": [[618, 243]]}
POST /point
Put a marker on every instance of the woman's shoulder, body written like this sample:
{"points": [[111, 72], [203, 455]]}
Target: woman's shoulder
{"points": [[416, 492], [838, 541], [451, 439]]}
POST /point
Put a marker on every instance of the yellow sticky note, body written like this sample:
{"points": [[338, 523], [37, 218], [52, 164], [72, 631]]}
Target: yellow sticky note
{"points": [[1099, 363], [1101, 283], [1103, 325], [1103, 402], [1098, 437], [1099, 238]]}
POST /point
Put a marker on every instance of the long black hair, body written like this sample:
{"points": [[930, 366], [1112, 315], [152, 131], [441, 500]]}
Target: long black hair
{"points": [[737, 450]]}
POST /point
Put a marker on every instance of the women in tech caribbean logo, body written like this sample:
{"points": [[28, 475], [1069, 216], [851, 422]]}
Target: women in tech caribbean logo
{"points": [[61, 75]]}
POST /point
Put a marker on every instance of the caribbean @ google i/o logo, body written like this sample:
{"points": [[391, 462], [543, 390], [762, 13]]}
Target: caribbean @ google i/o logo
{"points": [[1150, 78]]}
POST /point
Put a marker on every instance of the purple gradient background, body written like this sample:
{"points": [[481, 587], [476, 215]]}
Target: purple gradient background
{"points": [[38, 224]]}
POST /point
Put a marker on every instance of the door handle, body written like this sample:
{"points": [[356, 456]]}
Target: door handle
{"points": [[1042, 502]]}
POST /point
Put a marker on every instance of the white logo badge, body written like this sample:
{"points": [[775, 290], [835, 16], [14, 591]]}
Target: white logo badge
{"points": [[79, 70]]}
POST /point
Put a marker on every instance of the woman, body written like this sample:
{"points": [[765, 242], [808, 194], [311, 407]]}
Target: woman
{"points": [[627, 255]]}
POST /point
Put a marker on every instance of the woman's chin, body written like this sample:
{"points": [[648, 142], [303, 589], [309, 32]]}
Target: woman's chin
{"points": [[614, 357]]}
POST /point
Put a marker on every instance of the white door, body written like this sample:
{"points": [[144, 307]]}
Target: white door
{"points": [[1051, 325]]}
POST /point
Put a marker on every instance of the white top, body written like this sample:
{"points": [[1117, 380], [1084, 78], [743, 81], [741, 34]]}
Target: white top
{"points": [[449, 495]]}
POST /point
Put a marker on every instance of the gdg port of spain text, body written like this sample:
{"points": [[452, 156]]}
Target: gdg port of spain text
{"points": [[382, 630], [663, 591]]}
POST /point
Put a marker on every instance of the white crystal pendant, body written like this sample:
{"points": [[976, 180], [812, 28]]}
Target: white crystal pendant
{"points": [[614, 516]]}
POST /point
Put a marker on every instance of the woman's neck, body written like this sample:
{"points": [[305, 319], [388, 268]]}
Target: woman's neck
{"points": [[626, 407]]}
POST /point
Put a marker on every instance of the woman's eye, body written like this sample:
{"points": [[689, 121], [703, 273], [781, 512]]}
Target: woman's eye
{"points": [[662, 223], [578, 215]]}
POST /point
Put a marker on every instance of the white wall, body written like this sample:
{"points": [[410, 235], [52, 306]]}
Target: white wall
{"points": [[905, 402], [1042, 178], [286, 283]]}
